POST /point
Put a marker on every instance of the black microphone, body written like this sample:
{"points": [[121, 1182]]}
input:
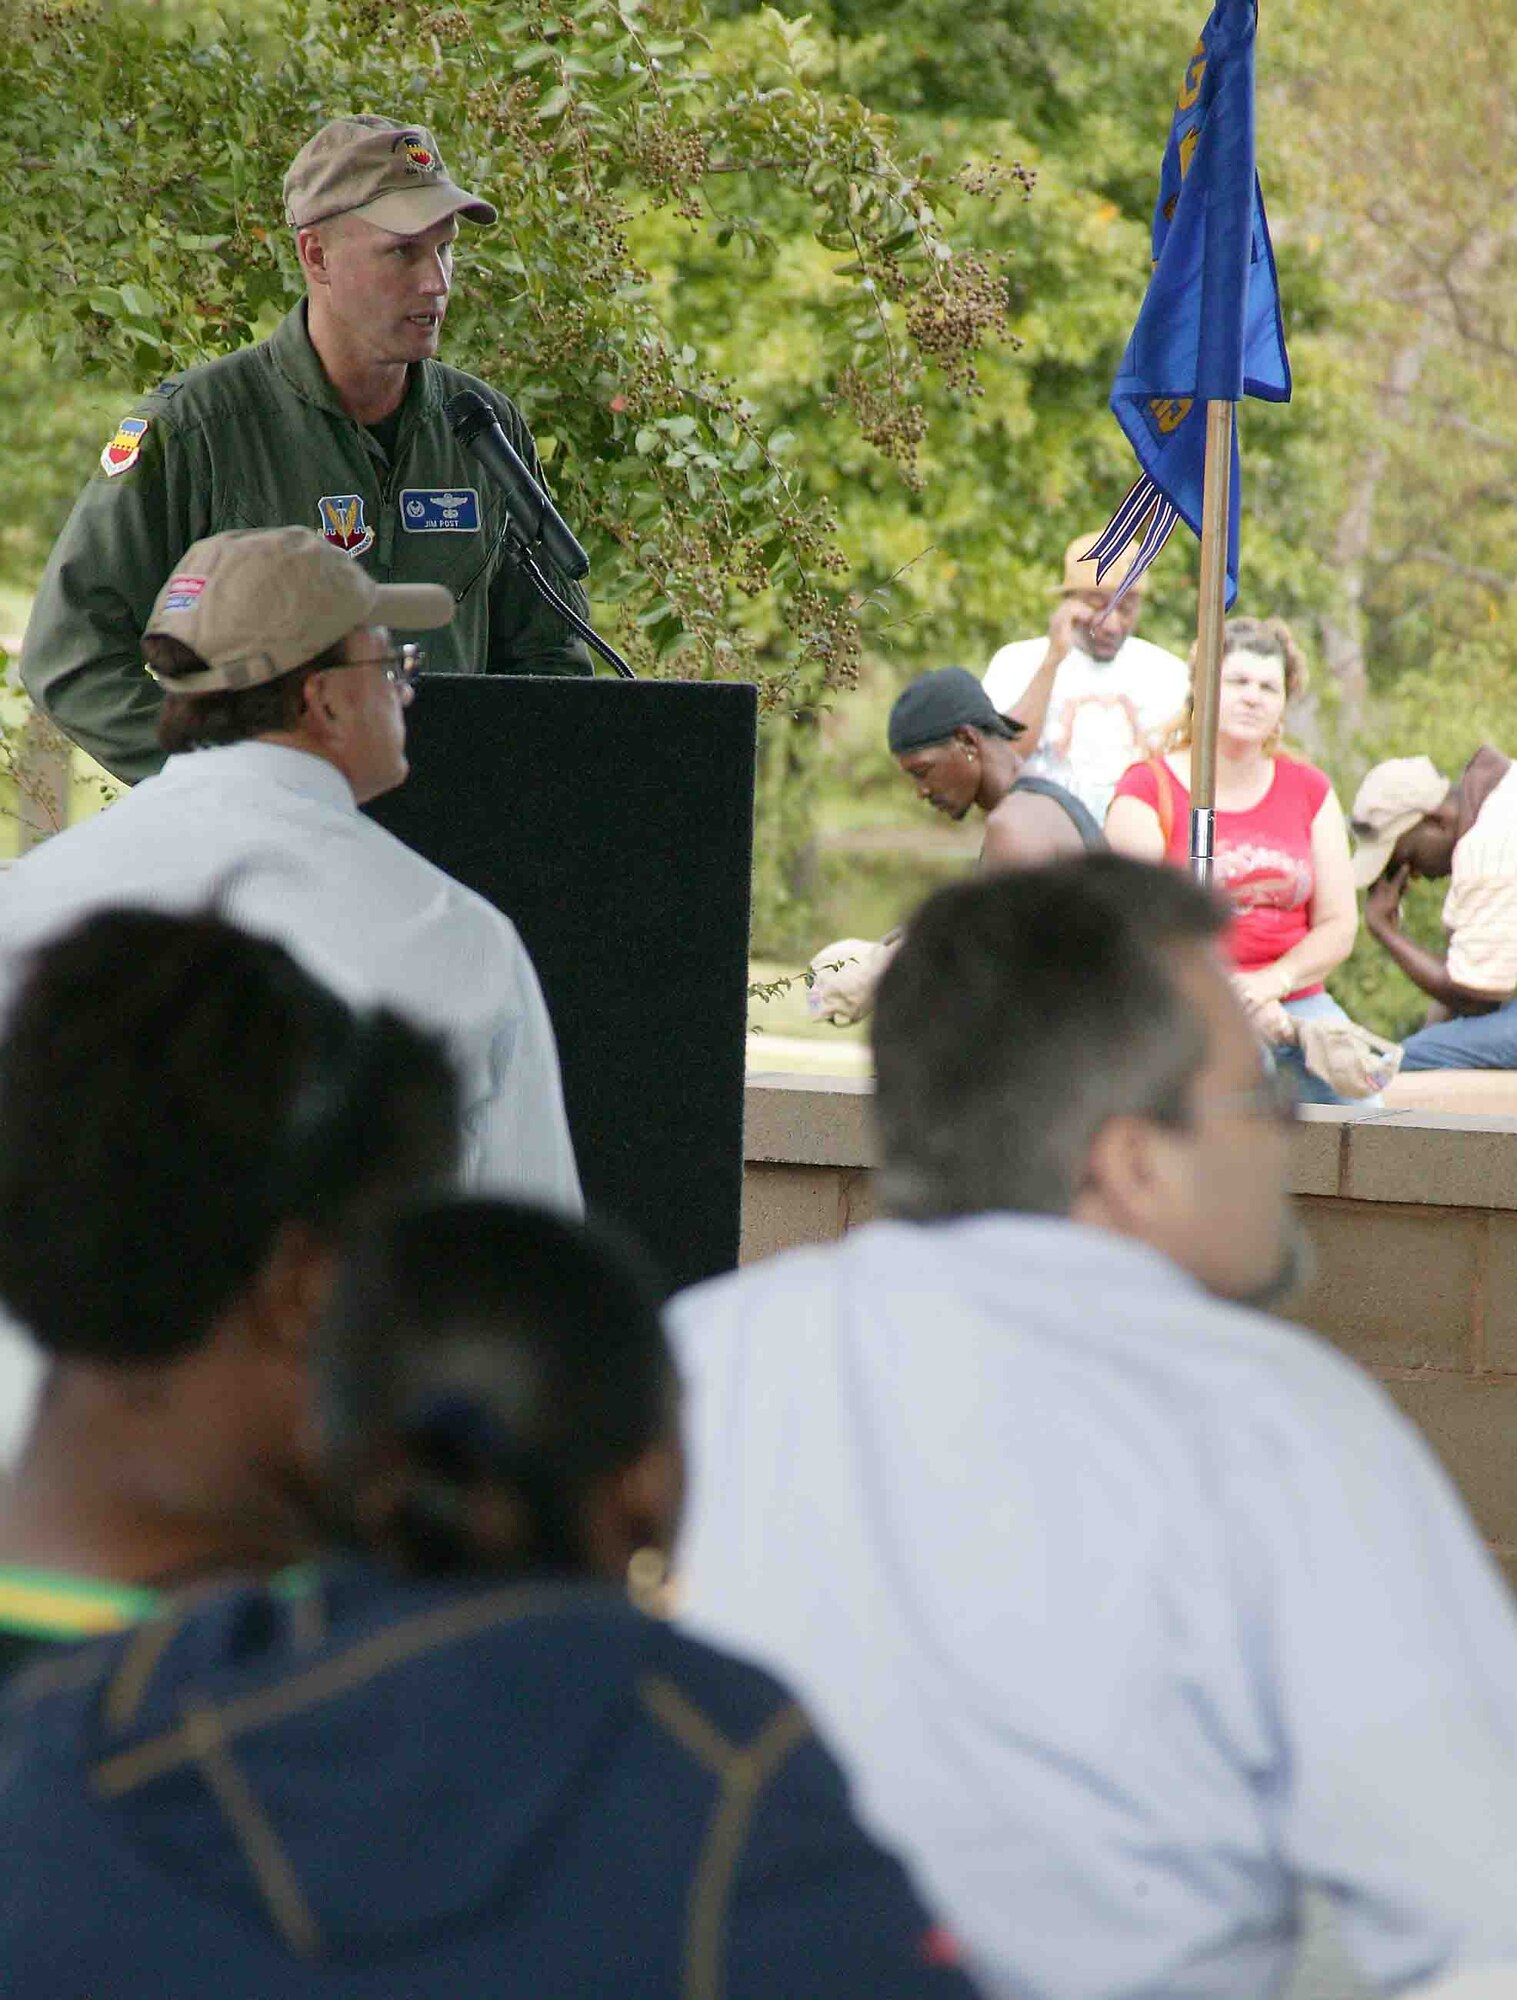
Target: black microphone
{"points": [[533, 515]]}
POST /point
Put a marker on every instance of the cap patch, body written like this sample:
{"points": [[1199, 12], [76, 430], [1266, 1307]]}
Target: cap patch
{"points": [[124, 449], [419, 158], [340, 518], [182, 592]]}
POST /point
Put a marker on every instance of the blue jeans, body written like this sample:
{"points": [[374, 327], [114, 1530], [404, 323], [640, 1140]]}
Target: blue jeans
{"points": [[1469, 1041], [1309, 1088]]}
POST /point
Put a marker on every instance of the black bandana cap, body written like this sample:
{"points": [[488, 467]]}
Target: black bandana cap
{"points": [[936, 704]]}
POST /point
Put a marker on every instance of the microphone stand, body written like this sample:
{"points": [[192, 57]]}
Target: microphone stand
{"points": [[520, 552]]}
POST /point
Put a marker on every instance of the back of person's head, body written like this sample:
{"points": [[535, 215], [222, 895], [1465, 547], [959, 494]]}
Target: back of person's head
{"points": [[250, 615], [173, 1093], [494, 1390], [233, 715], [1023, 1012]]}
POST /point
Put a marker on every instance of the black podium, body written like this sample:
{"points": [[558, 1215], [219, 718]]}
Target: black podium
{"points": [[612, 821]]}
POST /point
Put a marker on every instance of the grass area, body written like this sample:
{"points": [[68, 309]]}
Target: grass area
{"points": [[15, 606]]}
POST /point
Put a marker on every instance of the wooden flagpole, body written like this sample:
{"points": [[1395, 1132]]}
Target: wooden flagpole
{"points": [[1210, 610]]}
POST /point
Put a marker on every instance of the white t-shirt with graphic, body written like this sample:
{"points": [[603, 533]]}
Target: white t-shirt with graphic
{"points": [[1103, 714]]}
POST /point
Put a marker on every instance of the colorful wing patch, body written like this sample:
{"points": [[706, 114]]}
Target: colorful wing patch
{"points": [[125, 448]]}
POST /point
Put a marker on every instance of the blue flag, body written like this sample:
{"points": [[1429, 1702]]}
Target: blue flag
{"points": [[1209, 329]]}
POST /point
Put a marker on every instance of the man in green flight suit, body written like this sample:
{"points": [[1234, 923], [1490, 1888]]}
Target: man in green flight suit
{"points": [[334, 422]]}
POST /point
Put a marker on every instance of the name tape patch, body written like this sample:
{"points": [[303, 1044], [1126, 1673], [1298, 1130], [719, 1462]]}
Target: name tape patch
{"points": [[440, 510]]}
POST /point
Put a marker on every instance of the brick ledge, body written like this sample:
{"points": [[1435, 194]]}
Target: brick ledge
{"points": [[1422, 1158]]}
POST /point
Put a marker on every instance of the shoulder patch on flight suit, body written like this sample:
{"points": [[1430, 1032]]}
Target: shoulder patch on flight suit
{"points": [[123, 450]]}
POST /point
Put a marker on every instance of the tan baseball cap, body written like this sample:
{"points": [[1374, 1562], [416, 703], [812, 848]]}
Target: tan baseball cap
{"points": [[388, 173], [1393, 797], [1081, 575], [256, 603]]}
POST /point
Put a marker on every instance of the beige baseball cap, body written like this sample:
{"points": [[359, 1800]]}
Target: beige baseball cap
{"points": [[1393, 797], [256, 603], [388, 173], [1348, 1058], [1081, 575]]}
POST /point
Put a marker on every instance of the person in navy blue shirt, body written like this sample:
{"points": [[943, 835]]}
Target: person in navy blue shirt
{"points": [[460, 1761]]}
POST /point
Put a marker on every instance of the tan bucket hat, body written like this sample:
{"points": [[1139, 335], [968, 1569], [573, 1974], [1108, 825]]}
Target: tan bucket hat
{"points": [[1389, 803], [256, 603], [1080, 575], [390, 174]]}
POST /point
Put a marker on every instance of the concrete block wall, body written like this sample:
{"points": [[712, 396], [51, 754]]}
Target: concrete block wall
{"points": [[1412, 1217]]}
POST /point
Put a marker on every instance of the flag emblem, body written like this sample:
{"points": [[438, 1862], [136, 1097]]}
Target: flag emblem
{"points": [[124, 449], [182, 592], [1210, 328], [340, 518]]}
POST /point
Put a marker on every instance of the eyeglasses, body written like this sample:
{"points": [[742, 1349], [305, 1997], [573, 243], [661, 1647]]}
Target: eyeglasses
{"points": [[1274, 1096], [402, 664]]}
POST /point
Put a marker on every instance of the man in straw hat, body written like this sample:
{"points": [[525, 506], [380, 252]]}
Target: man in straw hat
{"points": [[1090, 695], [335, 421], [284, 698], [1410, 821]]}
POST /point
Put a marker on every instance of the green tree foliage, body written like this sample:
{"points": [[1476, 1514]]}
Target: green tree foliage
{"points": [[1056, 99], [1403, 148], [140, 230], [1378, 504], [1396, 151], [140, 177], [758, 326]]}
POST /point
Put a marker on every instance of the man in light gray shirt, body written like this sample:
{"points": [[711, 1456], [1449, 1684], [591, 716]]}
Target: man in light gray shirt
{"points": [[284, 712], [1133, 1611]]}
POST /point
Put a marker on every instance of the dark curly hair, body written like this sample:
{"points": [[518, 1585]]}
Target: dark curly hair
{"points": [[477, 1341], [172, 1092]]}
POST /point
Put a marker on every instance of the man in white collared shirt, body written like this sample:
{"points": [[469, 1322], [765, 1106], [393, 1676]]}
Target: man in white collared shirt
{"points": [[1132, 1611], [284, 712]]}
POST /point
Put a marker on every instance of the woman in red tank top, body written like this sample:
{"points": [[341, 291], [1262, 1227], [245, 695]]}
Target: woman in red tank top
{"points": [[1281, 847]]}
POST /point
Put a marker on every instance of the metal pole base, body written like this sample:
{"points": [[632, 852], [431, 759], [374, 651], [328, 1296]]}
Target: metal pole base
{"points": [[1202, 827]]}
